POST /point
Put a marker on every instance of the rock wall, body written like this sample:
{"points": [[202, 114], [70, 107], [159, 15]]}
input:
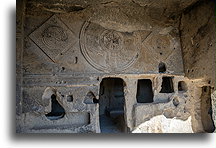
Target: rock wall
{"points": [[66, 50], [197, 27]]}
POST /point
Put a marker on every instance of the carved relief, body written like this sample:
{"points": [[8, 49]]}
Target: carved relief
{"points": [[105, 49], [161, 45], [53, 38], [109, 50], [111, 40]]}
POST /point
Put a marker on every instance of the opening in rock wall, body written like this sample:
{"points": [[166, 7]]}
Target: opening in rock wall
{"points": [[144, 91], [57, 111], [206, 110], [70, 98], [95, 100], [111, 105], [161, 67], [90, 98], [182, 86], [167, 85]]}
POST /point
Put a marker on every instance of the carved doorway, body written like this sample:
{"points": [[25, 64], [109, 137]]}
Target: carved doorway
{"points": [[111, 106]]}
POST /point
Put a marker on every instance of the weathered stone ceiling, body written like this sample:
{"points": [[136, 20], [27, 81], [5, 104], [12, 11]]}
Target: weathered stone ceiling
{"points": [[155, 8]]}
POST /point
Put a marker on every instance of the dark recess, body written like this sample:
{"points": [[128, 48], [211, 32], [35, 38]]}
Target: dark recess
{"points": [[167, 85], [144, 91], [182, 86], [161, 67], [57, 111], [206, 110]]}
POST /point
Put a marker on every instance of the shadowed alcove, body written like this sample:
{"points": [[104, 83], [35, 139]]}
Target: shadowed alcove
{"points": [[111, 105]]}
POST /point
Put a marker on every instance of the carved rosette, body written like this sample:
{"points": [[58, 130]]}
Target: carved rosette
{"points": [[109, 50], [53, 38]]}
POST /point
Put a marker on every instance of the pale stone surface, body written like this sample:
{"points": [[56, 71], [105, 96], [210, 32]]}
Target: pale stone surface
{"points": [[160, 124]]}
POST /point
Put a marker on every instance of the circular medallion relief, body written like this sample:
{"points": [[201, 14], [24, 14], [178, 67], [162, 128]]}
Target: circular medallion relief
{"points": [[111, 40], [108, 50], [54, 37]]}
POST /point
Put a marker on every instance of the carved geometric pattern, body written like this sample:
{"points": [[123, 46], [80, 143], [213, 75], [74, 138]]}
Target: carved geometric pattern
{"points": [[161, 46], [109, 50], [53, 37]]}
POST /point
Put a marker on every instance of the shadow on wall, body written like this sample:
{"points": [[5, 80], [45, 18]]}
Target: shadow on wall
{"points": [[206, 110]]}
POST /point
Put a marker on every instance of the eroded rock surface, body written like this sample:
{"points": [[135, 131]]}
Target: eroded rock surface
{"points": [[131, 66]]}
